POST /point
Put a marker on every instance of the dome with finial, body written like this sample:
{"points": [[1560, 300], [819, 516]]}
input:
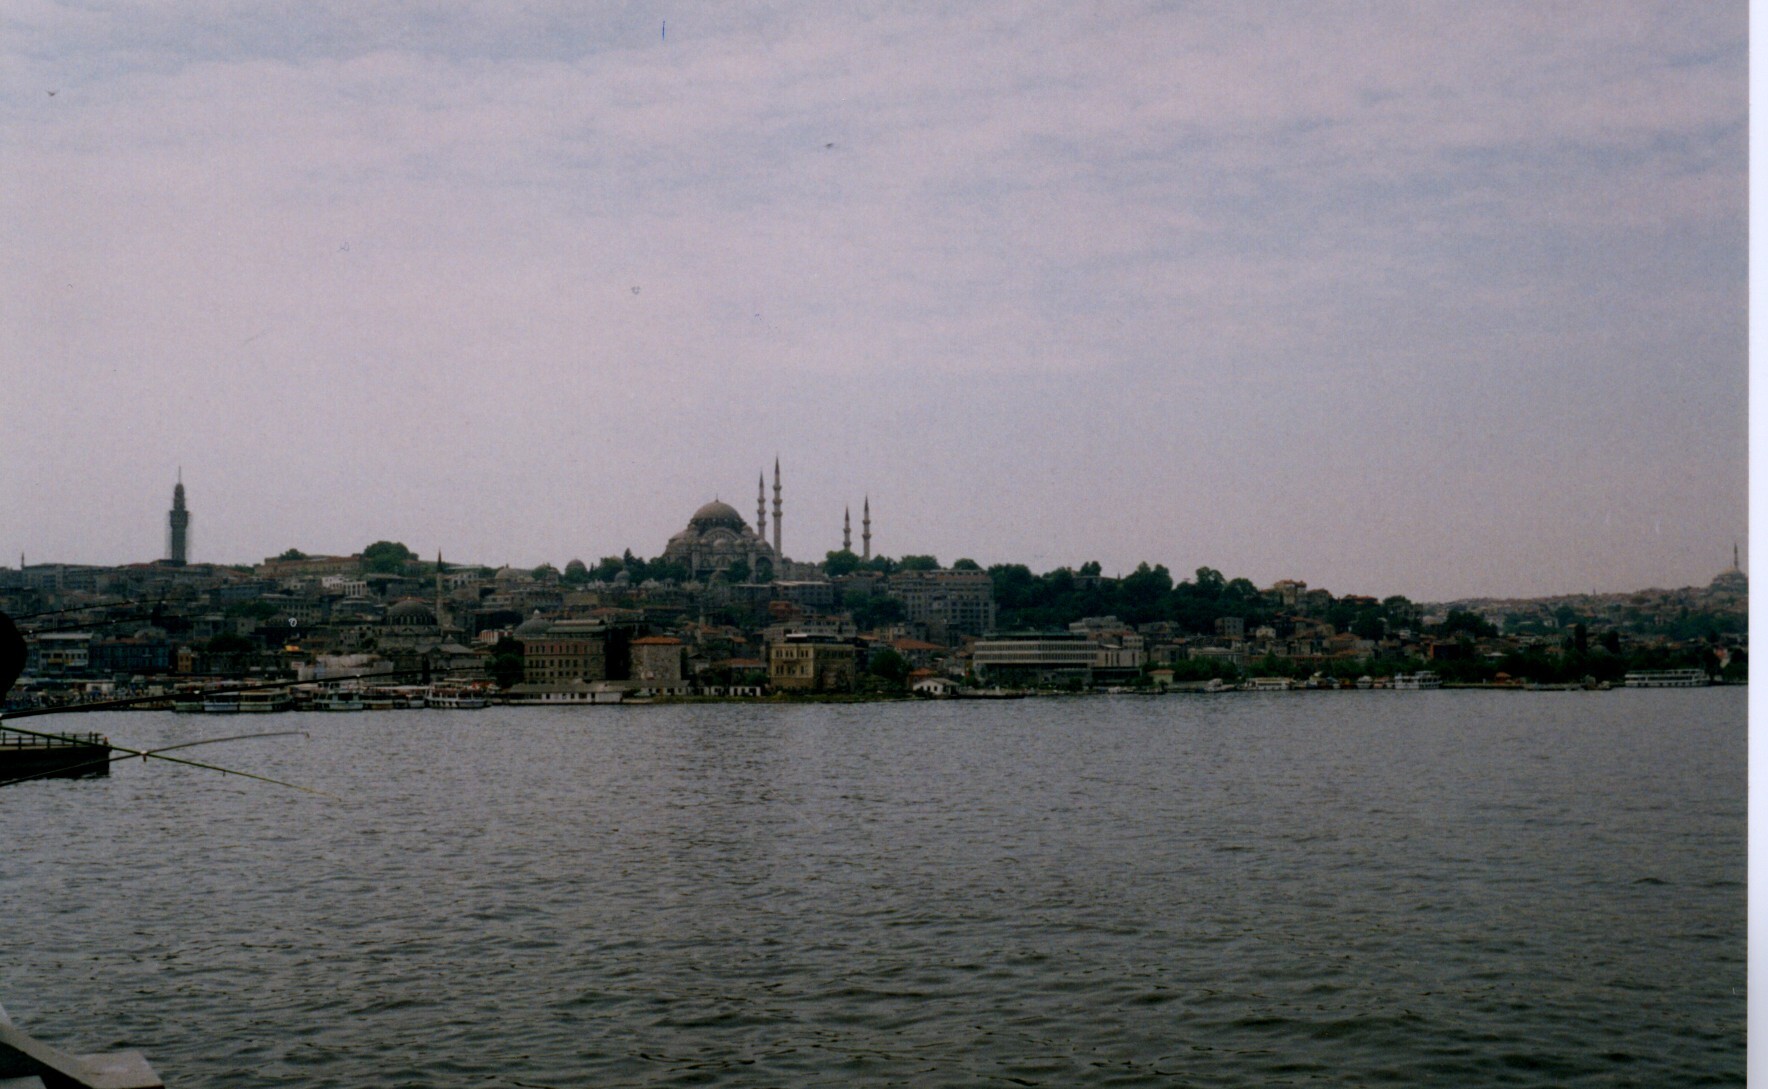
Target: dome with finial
{"points": [[717, 513]]}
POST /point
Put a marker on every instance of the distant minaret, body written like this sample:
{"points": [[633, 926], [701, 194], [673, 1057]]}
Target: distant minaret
{"points": [[178, 545], [761, 505], [846, 529], [866, 526], [779, 554], [441, 622]]}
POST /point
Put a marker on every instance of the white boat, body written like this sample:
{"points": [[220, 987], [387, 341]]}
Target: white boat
{"points": [[221, 703], [1414, 682], [339, 701], [264, 702], [1667, 678], [454, 699]]}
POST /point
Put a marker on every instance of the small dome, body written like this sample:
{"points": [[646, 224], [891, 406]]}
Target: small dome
{"points": [[411, 613], [533, 628], [716, 513]]}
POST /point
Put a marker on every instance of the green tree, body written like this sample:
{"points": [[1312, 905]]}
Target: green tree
{"points": [[293, 554], [844, 562], [386, 557], [738, 571], [576, 573], [965, 564], [890, 665], [507, 663], [918, 563]]}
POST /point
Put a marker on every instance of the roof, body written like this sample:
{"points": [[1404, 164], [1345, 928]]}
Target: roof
{"points": [[656, 641]]}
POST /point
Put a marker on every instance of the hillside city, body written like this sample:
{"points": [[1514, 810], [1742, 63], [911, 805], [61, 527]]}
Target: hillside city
{"points": [[722, 613]]}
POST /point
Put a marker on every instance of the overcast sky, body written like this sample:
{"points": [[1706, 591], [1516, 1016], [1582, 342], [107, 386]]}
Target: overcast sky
{"points": [[1432, 299]]}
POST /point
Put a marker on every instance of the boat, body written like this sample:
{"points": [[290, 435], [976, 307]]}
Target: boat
{"points": [[1415, 682], [454, 699], [221, 703], [1667, 678], [342, 700], [263, 702]]}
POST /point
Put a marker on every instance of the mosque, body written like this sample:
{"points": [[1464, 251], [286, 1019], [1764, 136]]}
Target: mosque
{"points": [[717, 537]]}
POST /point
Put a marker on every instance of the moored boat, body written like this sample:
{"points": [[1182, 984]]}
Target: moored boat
{"points": [[1414, 682]]}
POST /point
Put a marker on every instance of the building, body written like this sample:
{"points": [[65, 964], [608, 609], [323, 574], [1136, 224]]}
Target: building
{"points": [[802, 663], [1034, 658], [716, 539], [656, 665], [949, 603], [563, 650]]}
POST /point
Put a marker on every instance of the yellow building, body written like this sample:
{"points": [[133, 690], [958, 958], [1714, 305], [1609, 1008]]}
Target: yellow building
{"points": [[807, 664]]}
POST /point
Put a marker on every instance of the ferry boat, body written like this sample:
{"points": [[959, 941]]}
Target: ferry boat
{"points": [[1667, 678], [259, 702], [221, 703], [1414, 682], [454, 699], [339, 701]]}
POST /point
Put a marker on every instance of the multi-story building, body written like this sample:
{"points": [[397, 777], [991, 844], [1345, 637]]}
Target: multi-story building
{"points": [[563, 650], [949, 603], [802, 663], [656, 664], [1034, 658]]}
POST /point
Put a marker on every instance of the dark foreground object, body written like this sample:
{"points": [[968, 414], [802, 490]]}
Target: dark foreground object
{"points": [[29, 1063], [66, 757]]}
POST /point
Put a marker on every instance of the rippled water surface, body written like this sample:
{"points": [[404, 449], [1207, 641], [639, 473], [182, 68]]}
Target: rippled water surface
{"points": [[1451, 888]]}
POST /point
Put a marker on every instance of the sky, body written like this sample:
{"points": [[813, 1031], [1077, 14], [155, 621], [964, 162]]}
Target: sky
{"points": [[1443, 300]]}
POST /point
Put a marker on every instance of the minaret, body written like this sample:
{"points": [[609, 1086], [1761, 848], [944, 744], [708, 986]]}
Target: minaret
{"points": [[866, 525], [441, 622], [846, 530], [761, 506], [779, 555], [178, 545]]}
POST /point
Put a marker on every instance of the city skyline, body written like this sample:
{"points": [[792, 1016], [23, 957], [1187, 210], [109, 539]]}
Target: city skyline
{"points": [[1439, 302]]}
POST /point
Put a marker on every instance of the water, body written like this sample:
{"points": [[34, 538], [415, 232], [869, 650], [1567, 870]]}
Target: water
{"points": [[1453, 888]]}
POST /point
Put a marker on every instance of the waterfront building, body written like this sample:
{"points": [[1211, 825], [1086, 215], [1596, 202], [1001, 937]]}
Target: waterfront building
{"points": [[803, 663], [1034, 658], [563, 650], [656, 665]]}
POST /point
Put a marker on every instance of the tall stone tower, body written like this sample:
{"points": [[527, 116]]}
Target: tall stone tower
{"points": [[866, 525], [178, 522], [846, 530]]}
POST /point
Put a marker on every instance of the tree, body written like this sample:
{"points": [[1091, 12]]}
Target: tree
{"points": [[917, 563], [1090, 569], [507, 663], [738, 571], [293, 554], [965, 564], [890, 665], [386, 557], [844, 562], [546, 572], [576, 573], [606, 568]]}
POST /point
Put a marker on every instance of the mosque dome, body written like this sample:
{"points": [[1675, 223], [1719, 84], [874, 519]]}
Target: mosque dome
{"points": [[533, 628], [716, 513], [411, 613]]}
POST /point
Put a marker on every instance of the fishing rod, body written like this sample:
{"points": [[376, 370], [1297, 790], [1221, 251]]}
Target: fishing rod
{"points": [[130, 754]]}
